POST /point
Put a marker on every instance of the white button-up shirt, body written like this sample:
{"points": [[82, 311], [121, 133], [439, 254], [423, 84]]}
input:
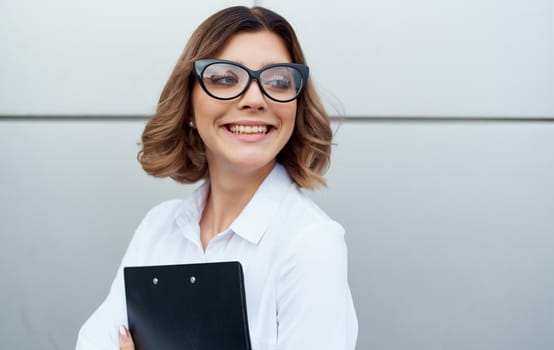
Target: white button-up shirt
{"points": [[293, 256]]}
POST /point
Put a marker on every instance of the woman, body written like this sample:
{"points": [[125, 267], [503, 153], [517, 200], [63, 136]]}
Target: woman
{"points": [[239, 111]]}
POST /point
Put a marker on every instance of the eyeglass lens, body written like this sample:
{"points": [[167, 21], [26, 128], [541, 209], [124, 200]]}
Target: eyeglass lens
{"points": [[225, 80]]}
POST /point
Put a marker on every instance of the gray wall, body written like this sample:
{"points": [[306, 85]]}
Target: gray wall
{"points": [[464, 58], [447, 201]]}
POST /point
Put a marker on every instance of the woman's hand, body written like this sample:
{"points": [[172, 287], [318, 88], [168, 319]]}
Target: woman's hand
{"points": [[125, 339]]}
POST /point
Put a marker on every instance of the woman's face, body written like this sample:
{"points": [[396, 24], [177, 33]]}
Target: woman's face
{"points": [[245, 134]]}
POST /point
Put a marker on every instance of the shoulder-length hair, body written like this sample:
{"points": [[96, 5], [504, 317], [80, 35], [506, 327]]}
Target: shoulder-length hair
{"points": [[170, 147]]}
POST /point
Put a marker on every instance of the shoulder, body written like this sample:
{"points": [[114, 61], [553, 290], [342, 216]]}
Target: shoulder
{"points": [[313, 245], [301, 211], [164, 211], [159, 221], [310, 228]]}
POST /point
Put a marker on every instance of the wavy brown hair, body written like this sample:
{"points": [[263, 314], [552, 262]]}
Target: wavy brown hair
{"points": [[170, 147]]}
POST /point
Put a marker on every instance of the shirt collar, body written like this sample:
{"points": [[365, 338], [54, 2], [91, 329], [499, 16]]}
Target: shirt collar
{"points": [[188, 216], [254, 219]]}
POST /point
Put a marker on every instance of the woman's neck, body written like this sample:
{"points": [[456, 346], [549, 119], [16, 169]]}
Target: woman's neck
{"points": [[229, 193]]}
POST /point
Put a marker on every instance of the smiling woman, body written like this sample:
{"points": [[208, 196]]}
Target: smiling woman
{"points": [[239, 111]]}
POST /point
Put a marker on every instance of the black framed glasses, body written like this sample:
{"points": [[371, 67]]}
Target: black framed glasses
{"points": [[226, 80]]}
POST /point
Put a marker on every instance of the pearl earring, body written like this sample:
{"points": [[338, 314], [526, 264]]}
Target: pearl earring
{"points": [[191, 124]]}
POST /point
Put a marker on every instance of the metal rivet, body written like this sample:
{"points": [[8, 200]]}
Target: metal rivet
{"points": [[192, 279], [155, 280]]}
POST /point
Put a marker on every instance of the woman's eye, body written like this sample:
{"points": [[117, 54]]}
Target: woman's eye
{"points": [[281, 84], [223, 79]]}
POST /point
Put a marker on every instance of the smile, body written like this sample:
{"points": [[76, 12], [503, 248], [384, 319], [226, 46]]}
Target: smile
{"points": [[248, 129]]}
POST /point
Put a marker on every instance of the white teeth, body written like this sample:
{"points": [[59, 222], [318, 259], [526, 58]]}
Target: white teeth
{"points": [[248, 129]]}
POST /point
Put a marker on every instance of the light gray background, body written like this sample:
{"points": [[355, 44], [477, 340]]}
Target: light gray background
{"points": [[444, 184], [463, 58]]}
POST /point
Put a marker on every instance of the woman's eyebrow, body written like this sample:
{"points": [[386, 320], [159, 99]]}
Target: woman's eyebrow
{"points": [[263, 65]]}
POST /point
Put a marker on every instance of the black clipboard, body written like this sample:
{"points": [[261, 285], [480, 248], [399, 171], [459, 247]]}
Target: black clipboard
{"points": [[191, 306]]}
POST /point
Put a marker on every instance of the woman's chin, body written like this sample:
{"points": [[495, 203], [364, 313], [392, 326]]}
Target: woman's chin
{"points": [[253, 164]]}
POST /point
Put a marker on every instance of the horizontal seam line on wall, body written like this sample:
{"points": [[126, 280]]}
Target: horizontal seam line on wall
{"points": [[349, 119]]}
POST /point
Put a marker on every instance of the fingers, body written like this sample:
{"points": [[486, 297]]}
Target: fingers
{"points": [[125, 340]]}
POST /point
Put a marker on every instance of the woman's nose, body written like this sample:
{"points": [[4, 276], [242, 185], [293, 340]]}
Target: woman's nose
{"points": [[253, 97]]}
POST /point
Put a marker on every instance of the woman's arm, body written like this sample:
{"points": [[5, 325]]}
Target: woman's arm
{"points": [[315, 308], [100, 331]]}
